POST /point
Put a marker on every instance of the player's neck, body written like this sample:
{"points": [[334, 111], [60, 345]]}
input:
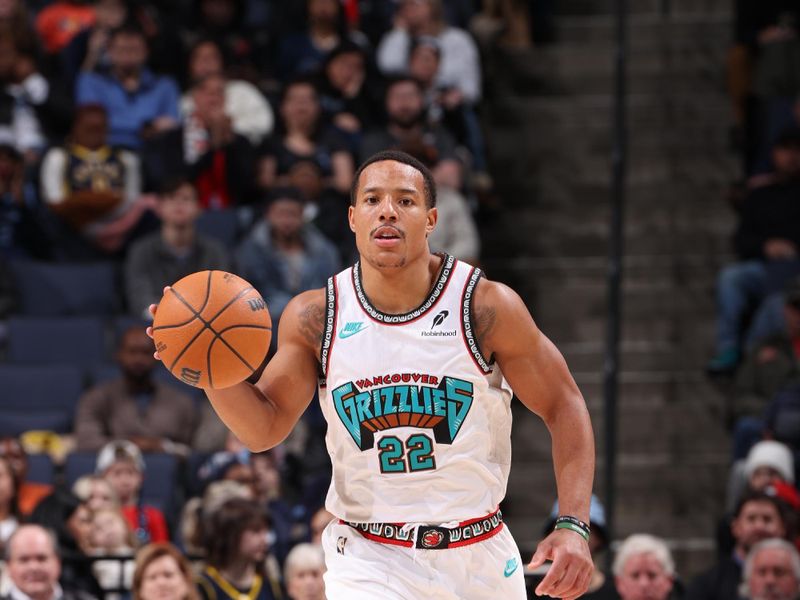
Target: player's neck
{"points": [[398, 290]]}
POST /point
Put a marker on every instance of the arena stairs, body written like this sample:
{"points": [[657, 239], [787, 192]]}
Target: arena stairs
{"points": [[548, 119]]}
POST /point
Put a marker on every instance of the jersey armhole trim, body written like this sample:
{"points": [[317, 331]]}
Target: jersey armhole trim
{"points": [[466, 320], [330, 327]]}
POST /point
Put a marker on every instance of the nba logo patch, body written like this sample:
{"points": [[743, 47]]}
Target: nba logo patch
{"points": [[340, 543]]}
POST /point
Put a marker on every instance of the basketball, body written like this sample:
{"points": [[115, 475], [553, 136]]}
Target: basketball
{"points": [[212, 329]]}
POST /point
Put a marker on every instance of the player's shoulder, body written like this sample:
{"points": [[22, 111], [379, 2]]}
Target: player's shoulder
{"points": [[496, 295], [304, 317]]}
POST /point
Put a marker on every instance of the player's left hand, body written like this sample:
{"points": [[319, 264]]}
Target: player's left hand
{"points": [[572, 567]]}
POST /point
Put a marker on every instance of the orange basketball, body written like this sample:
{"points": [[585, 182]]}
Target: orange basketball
{"points": [[212, 329]]}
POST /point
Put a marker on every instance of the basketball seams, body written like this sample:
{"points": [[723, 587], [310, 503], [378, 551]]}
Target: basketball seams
{"points": [[196, 313], [207, 326]]}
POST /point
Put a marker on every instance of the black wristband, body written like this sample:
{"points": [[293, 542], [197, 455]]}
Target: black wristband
{"points": [[575, 521]]}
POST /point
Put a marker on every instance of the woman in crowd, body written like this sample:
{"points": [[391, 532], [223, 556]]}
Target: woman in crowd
{"points": [[162, 573], [303, 572]]}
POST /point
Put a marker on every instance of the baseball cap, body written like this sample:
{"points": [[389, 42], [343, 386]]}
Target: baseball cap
{"points": [[117, 451]]}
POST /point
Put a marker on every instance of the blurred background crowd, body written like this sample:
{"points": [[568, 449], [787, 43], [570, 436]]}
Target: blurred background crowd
{"points": [[142, 141]]}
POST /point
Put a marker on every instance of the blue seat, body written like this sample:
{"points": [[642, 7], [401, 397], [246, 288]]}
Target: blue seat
{"points": [[49, 290], [222, 225], [64, 340], [38, 397], [41, 469], [161, 476]]}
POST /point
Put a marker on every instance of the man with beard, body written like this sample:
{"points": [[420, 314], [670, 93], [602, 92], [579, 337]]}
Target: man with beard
{"points": [[758, 517], [772, 571], [155, 416], [138, 101], [407, 130]]}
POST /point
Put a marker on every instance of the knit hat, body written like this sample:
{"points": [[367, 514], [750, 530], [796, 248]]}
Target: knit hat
{"points": [[116, 451], [769, 453]]}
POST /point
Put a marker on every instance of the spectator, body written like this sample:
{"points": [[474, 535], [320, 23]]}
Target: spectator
{"points": [[23, 93], [96, 493], [62, 20], [268, 489], [21, 232], [64, 514], [346, 97], [198, 510], [236, 550], [29, 493], [407, 130], [9, 513], [34, 567], [156, 416], [93, 188], [772, 571], [643, 568], [247, 49], [88, 49], [460, 63], [758, 516], [15, 18], [767, 241], [319, 521], [250, 113], [282, 256], [325, 208], [205, 148], [111, 536], [163, 573], [304, 53], [303, 571], [164, 257], [303, 136], [121, 463], [138, 102], [446, 106]]}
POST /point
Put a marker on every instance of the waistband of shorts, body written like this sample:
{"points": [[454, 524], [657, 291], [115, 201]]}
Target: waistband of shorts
{"points": [[431, 537]]}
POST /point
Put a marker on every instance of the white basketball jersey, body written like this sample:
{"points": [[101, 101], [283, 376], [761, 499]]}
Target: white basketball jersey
{"points": [[419, 423]]}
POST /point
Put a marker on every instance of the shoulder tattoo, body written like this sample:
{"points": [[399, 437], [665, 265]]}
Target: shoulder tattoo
{"points": [[312, 323], [483, 320]]}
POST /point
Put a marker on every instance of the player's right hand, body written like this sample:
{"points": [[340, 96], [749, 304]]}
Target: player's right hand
{"points": [[152, 310]]}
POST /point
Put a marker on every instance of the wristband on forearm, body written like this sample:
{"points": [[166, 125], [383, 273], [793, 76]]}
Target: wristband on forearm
{"points": [[573, 524]]}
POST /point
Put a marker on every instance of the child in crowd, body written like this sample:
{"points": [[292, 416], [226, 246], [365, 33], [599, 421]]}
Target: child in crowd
{"points": [[111, 536], [96, 492], [121, 463]]}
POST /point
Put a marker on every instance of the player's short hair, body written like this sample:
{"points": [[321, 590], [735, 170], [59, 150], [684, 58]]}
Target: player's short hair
{"points": [[401, 157]]}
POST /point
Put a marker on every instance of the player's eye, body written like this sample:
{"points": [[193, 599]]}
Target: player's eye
{"points": [[406, 201], [370, 199]]}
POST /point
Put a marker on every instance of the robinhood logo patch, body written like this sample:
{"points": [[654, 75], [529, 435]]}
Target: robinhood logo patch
{"points": [[370, 405]]}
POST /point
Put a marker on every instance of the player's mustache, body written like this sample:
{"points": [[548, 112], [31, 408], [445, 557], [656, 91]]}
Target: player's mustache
{"points": [[400, 233]]}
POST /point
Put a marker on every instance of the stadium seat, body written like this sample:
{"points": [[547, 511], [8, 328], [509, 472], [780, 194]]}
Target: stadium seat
{"points": [[53, 340], [161, 477], [50, 290], [222, 225], [38, 397], [40, 469]]}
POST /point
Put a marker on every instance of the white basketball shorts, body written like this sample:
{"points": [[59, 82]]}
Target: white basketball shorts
{"points": [[362, 569]]}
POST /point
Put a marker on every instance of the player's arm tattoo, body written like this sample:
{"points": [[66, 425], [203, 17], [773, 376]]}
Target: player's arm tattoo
{"points": [[312, 323], [483, 320]]}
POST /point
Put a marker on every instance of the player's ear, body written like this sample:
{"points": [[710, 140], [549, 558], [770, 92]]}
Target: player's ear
{"points": [[350, 218], [433, 218]]}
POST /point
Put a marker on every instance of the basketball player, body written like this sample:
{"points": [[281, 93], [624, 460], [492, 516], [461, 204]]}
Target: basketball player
{"points": [[411, 352]]}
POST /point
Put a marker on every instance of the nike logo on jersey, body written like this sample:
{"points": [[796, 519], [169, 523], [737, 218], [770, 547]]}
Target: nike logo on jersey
{"points": [[511, 566], [351, 328]]}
